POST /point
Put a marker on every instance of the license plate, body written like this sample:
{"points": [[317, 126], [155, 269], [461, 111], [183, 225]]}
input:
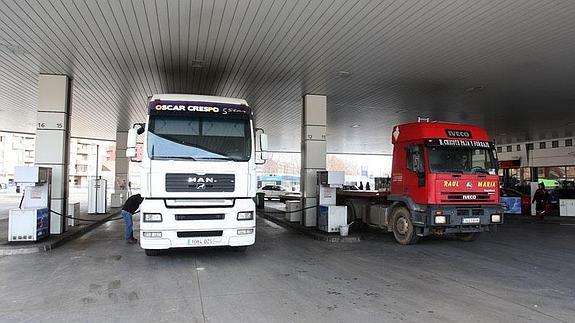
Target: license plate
{"points": [[471, 220], [202, 241]]}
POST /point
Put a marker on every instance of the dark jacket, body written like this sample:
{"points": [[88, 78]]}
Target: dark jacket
{"points": [[132, 203], [540, 199]]}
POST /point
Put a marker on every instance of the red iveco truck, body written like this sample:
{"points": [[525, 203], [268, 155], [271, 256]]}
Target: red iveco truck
{"points": [[444, 181]]}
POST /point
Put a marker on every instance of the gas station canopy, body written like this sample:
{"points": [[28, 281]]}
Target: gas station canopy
{"points": [[503, 65]]}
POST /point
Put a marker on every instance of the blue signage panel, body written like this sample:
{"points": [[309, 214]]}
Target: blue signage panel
{"points": [[42, 223], [511, 205]]}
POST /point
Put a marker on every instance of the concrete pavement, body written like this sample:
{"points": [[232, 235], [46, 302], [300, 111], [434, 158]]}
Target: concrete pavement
{"points": [[522, 273]]}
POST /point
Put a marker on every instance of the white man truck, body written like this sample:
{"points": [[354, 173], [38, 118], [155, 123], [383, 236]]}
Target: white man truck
{"points": [[198, 172]]}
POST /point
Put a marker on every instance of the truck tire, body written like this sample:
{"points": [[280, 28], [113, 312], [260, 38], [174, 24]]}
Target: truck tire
{"points": [[468, 237], [403, 229], [152, 252]]}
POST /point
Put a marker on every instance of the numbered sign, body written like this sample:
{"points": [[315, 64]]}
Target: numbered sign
{"points": [[51, 121]]}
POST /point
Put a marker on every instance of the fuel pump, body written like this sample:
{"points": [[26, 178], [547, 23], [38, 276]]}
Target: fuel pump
{"points": [[97, 196], [31, 221], [330, 216]]}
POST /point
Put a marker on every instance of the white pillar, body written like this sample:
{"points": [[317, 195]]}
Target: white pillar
{"points": [[122, 168], [52, 140], [313, 152]]}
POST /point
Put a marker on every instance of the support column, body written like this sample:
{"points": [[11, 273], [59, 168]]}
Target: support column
{"points": [[121, 170], [534, 174], [52, 141], [313, 153]]}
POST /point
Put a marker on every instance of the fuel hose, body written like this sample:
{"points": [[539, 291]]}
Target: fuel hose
{"points": [[287, 212], [88, 220]]}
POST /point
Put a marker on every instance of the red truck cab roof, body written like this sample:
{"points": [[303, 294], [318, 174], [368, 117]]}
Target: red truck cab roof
{"points": [[436, 130]]}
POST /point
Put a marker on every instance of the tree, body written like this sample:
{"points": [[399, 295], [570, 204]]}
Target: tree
{"points": [[337, 163]]}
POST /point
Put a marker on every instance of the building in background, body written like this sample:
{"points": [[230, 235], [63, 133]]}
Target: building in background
{"points": [[548, 161], [15, 150], [86, 156], [82, 163], [91, 158]]}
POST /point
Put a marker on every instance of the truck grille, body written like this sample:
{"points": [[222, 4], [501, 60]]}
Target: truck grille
{"points": [[186, 217], [180, 182], [474, 212], [195, 234], [467, 197]]}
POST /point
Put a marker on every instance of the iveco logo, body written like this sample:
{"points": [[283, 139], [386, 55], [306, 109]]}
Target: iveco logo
{"points": [[458, 134], [469, 185], [200, 180], [470, 197]]}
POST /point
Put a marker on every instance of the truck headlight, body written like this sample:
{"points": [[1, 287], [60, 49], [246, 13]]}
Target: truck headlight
{"points": [[152, 217], [245, 216], [496, 218], [440, 219], [245, 231], [152, 234]]}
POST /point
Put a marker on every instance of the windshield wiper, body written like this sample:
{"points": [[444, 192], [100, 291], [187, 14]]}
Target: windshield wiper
{"points": [[459, 171], [216, 158], [175, 157]]}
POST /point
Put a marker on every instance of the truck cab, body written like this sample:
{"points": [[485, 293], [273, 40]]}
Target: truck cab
{"points": [[198, 172], [444, 181]]}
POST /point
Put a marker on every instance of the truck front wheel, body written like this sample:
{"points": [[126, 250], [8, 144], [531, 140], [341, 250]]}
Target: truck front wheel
{"points": [[403, 228]]}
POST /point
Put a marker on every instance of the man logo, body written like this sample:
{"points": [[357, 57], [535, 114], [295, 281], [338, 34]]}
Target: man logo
{"points": [[469, 185], [201, 186], [201, 180]]}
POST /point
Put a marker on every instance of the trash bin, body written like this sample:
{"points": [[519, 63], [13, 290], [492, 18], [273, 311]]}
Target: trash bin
{"points": [[260, 200]]}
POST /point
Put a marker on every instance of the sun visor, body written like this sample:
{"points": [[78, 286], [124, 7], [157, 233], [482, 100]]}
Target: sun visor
{"points": [[460, 143], [200, 109]]}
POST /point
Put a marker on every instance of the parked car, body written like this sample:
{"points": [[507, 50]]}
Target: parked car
{"points": [[514, 202], [273, 191]]}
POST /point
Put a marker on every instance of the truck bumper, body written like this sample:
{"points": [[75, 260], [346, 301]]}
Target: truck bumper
{"points": [[174, 233], [170, 239], [458, 219]]}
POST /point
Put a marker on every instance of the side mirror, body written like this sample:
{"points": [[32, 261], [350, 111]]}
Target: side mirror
{"points": [[264, 146], [131, 143], [262, 140], [418, 165]]}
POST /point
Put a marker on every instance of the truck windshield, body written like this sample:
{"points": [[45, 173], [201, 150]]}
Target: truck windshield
{"points": [[461, 160], [199, 138]]}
